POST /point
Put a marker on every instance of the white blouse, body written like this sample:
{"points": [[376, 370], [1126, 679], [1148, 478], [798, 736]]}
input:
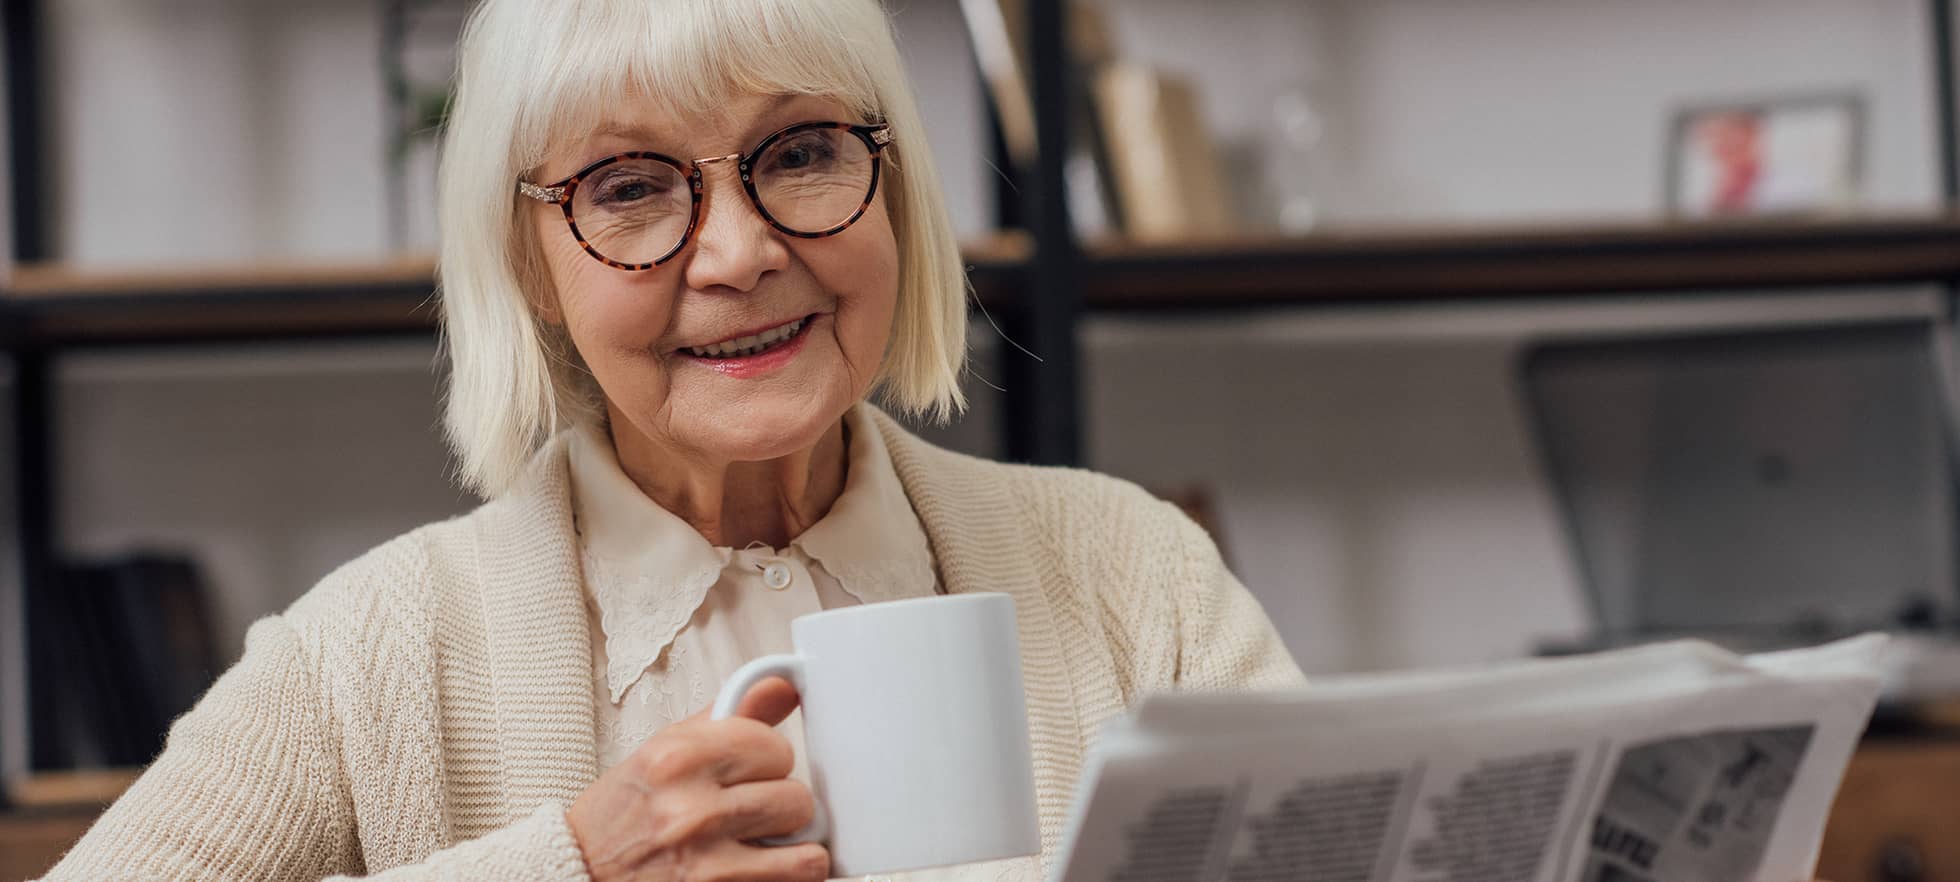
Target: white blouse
{"points": [[673, 616]]}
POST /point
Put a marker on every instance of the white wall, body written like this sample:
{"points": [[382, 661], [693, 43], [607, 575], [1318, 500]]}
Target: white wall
{"points": [[272, 464], [214, 131], [1379, 491], [260, 129], [940, 59], [1540, 108], [218, 131], [1535, 110], [1375, 486]]}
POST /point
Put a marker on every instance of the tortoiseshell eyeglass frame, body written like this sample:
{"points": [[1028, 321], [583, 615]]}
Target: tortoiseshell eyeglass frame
{"points": [[876, 137]]}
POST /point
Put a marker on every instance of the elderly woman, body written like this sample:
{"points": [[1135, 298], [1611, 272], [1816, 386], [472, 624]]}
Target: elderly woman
{"points": [[683, 242]]}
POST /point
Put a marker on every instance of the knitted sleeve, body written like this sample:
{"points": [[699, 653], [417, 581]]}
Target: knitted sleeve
{"points": [[1225, 640], [537, 847], [249, 787], [245, 787]]}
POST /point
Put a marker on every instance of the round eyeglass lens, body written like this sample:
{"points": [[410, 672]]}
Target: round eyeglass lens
{"points": [[633, 210], [813, 180]]}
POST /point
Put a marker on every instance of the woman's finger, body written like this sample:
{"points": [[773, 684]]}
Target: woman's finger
{"points": [[742, 750], [804, 862], [715, 752], [766, 808], [769, 701]]}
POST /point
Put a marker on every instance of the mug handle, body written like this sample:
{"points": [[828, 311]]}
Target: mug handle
{"points": [[788, 667]]}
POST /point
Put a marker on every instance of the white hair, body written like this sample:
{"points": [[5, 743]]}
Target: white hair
{"points": [[535, 73]]}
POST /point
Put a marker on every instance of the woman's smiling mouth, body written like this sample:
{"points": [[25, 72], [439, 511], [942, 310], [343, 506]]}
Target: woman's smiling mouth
{"points": [[757, 354], [751, 344]]}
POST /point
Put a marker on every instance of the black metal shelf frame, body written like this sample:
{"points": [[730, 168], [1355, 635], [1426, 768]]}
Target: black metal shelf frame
{"points": [[21, 31], [1042, 407]]}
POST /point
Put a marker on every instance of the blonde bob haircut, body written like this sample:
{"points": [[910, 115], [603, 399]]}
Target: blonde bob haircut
{"points": [[537, 73]]}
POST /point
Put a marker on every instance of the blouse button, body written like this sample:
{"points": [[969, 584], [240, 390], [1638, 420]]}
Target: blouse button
{"points": [[776, 576]]}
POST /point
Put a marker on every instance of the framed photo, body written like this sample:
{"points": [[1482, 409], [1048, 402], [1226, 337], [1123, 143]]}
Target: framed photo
{"points": [[1789, 156]]}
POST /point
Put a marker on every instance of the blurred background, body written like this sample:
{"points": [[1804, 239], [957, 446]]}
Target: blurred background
{"points": [[1471, 330]]}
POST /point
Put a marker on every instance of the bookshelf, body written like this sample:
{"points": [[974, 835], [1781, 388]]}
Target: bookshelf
{"points": [[1041, 284], [1486, 263], [1072, 277], [50, 308]]}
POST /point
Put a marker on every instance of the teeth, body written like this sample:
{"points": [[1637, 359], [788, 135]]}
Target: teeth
{"points": [[750, 345]]}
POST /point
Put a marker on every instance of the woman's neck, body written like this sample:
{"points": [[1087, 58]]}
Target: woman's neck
{"points": [[736, 504]]}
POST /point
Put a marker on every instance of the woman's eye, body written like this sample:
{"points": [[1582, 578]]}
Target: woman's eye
{"points": [[627, 190], [804, 153]]}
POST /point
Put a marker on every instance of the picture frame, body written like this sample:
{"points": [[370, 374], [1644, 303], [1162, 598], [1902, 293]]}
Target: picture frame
{"points": [[1786, 156]]}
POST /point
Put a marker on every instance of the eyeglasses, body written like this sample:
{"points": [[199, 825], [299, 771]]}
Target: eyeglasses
{"points": [[636, 210]]}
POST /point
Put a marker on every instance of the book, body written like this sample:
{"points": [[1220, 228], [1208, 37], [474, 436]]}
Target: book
{"points": [[1000, 34], [119, 649], [1169, 180]]}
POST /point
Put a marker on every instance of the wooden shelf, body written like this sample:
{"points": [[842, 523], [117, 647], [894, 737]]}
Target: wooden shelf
{"points": [[30, 842], [48, 811], [79, 787], [1485, 262], [54, 307]]}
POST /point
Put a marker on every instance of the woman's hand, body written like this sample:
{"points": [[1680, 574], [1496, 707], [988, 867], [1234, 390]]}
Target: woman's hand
{"points": [[689, 801]]}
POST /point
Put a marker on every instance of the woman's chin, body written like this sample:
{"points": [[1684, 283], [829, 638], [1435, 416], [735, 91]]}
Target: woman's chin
{"points": [[755, 431]]}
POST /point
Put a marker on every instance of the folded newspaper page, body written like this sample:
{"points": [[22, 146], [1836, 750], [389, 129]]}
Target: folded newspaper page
{"points": [[1676, 762]]}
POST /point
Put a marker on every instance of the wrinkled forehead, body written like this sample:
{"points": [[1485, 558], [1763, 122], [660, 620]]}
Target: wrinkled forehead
{"points": [[683, 67], [734, 126]]}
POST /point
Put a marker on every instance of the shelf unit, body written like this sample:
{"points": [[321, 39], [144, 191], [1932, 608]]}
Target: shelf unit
{"points": [[1038, 284], [49, 308]]}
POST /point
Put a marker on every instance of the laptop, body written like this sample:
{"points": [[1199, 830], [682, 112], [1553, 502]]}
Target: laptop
{"points": [[1760, 489]]}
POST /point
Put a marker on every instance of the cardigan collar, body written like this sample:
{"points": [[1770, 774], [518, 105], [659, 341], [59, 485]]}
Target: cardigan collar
{"points": [[538, 645], [540, 655]]}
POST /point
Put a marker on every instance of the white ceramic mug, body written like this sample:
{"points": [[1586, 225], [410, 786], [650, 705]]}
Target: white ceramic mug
{"points": [[916, 729]]}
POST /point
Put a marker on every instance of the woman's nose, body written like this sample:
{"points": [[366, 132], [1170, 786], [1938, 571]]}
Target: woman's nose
{"points": [[734, 246]]}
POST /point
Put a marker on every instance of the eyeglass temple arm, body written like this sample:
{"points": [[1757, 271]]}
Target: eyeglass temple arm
{"points": [[542, 194]]}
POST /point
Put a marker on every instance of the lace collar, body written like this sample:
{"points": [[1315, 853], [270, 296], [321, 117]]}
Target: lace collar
{"points": [[648, 570]]}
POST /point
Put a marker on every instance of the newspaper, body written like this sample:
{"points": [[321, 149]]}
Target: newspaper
{"points": [[1676, 762]]}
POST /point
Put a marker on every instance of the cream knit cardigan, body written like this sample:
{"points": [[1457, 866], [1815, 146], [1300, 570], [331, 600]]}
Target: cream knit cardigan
{"points": [[425, 712]]}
